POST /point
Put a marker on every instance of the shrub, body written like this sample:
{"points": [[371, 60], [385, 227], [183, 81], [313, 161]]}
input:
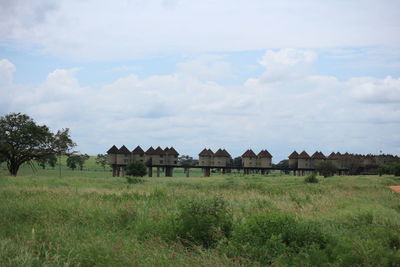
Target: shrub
{"points": [[136, 168], [134, 180], [326, 168], [204, 222], [312, 178], [266, 237]]}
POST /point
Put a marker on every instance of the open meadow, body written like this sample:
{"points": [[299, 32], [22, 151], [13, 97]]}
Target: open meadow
{"points": [[89, 218]]}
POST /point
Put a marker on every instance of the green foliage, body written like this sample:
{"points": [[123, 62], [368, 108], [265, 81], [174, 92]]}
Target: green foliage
{"points": [[134, 180], [204, 221], [136, 168], [48, 160], [75, 160], [102, 160], [326, 168], [312, 178], [390, 168], [266, 237], [90, 218], [22, 140]]}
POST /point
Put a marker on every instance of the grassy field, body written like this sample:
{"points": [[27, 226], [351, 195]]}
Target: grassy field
{"points": [[89, 218]]}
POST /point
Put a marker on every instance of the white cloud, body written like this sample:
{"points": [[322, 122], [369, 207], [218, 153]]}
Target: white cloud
{"points": [[207, 67], [103, 30], [7, 70], [374, 90], [7, 88], [310, 112]]}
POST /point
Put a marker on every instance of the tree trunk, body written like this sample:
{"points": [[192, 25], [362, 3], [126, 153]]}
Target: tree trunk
{"points": [[13, 168]]}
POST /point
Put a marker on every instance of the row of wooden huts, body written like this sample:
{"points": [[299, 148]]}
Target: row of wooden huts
{"points": [[165, 158], [341, 161], [222, 158]]}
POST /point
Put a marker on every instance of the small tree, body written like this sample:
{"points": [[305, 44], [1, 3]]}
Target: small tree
{"points": [[102, 160], [72, 161], [136, 168], [75, 160], [50, 160], [326, 168]]}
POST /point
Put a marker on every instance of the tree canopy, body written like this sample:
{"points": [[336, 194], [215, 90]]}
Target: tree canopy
{"points": [[76, 160], [102, 160], [136, 169], [22, 140]]}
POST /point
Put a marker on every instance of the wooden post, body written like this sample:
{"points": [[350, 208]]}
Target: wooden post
{"points": [[187, 172], [150, 171], [158, 171], [114, 170]]}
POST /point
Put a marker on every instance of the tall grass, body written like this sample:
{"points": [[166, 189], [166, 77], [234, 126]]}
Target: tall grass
{"points": [[91, 218]]}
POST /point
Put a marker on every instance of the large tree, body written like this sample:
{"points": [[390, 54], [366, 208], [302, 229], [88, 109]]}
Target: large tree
{"points": [[22, 140]]}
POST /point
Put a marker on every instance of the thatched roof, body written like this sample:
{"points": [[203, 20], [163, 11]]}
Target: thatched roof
{"points": [[159, 151], [264, 154], [318, 155], [294, 155], [222, 153], [303, 155], [124, 150], [113, 150], [150, 151], [249, 154], [138, 151], [205, 153], [172, 151]]}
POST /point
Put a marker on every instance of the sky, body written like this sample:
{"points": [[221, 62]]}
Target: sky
{"points": [[276, 75]]}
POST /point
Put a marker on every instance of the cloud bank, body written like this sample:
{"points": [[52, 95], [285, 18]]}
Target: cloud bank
{"points": [[286, 107]]}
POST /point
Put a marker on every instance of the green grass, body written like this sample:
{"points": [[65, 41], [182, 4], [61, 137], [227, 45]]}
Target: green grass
{"points": [[89, 218]]}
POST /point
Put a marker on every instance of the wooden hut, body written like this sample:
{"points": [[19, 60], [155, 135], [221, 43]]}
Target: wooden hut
{"points": [[171, 156], [112, 155], [123, 156], [293, 160], [303, 161], [249, 159], [264, 159], [317, 158], [206, 157], [221, 158], [138, 155]]}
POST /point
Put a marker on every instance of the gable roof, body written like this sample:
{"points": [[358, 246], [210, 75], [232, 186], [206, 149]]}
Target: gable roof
{"points": [[226, 153], [172, 151], [294, 155], [138, 151], [303, 155], [150, 151], [204, 153], [113, 150], [318, 155], [124, 150], [249, 154], [332, 156], [264, 154], [159, 151], [220, 153], [210, 152]]}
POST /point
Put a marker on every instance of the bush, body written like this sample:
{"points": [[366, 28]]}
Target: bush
{"points": [[204, 222], [326, 168], [136, 168], [266, 237], [312, 178], [134, 180]]}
